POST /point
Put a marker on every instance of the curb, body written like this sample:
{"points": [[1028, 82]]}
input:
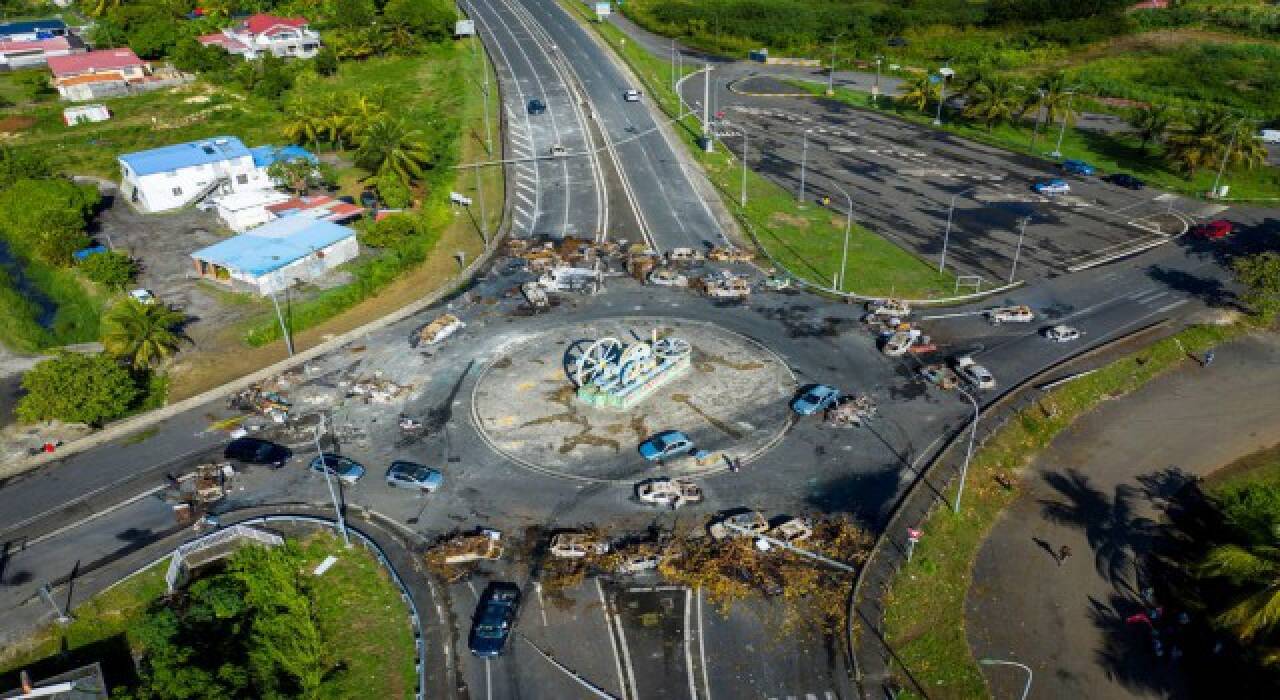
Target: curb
{"points": [[730, 86]]}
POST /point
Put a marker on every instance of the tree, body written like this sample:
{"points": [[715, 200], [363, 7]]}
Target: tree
{"points": [[389, 146], [22, 164], [154, 38], [1151, 123], [325, 61], [46, 218], [76, 389], [110, 269], [919, 91], [98, 8], [1054, 99], [392, 191], [1202, 143], [299, 175], [1260, 274], [35, 85], [992, 101], [431, 20], [141, 334], [1255, 569]]}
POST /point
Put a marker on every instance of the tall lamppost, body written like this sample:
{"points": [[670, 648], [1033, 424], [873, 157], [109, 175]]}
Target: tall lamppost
{"points": [[875, 89], [1062, 131], [831, 76], [1022, 232], [1226, 157], [945, 73], [328, 478], [848, 228], [804, 157], [968, 453], [1026, 689]]}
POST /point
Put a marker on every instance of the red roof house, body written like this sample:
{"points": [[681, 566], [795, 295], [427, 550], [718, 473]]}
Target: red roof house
{"points": [[123, 60], [259, 34]]}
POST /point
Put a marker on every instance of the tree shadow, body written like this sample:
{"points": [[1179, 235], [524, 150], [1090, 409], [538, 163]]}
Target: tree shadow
{"points": [[1209, 290], [1111, 524]]}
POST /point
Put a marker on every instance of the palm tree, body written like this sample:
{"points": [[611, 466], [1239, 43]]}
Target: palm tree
{"points": [[1256, 568], [98, 8], [992, 101], [1151, 122], [919, 92], [1055, 99], [141, 333], [388, 146], [305, 122], [1202, 143]]}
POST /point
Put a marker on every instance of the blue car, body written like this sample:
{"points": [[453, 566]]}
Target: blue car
{"points": [[1054, 186], [410, 475], [1076, 167], [495, 616], [666, 444], [346, 469], [817, 398]]}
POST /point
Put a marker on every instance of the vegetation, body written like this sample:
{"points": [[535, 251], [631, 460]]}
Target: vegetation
{"points": [[77, 388], [141, 334], [1260, 275], [110, 269]]}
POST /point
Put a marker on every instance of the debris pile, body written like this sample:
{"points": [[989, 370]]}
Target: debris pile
{"points": [[851, 411]]}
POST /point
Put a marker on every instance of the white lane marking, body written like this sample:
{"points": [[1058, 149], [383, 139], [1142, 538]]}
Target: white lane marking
{"points": [[542, 604], [1170, 307], [1154, 297], [702, 651], [87, 519], [525, 198], [617, 658], [688, 643], [488, 680], [521, 211]]}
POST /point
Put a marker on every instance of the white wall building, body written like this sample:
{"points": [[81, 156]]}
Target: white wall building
{"points": [[175, 176], [273, 256], [287, 37], [241, 211]]}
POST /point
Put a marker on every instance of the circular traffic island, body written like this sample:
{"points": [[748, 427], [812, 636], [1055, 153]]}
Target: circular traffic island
{"points": [[579, 401]]}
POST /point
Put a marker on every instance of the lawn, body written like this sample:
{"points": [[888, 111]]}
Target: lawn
{"points": [[807, 240], [925, 611], [1108, 152], [358, 608], [1258, 468]]}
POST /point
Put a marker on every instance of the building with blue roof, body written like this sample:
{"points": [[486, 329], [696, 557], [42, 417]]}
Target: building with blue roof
{"points": [[174, 176], [273, 256], [32, 29]]}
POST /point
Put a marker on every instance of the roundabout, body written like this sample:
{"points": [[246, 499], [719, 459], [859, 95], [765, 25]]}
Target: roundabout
{"points": [[576, 401]]}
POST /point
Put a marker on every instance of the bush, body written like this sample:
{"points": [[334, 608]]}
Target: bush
{"points": [[389, 232], [110, 269], [46, 218], [22, 164], [430, 19], [393, 192], [76, 389], [325, 61]]}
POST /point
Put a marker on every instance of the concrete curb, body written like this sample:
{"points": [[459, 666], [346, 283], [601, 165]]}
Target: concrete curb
{"points": [[887, 554]]}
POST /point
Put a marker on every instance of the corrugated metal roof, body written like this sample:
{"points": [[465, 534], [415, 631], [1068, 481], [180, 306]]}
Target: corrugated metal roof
{"points": [[185, 155], [31, 26], [265, 156], [273, 245], [106, 59]]}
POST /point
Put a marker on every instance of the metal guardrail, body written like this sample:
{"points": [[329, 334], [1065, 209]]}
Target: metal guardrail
{"points": [[213, 539]]}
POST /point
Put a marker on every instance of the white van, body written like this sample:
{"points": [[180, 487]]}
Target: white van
{"points": [[1270, 135]]}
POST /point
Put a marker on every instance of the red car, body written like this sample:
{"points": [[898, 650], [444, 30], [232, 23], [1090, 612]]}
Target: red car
{"points": [[1213, 230]]}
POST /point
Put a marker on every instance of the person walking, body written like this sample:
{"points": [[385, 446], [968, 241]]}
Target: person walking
{"points": [[1063, 552], [1208, 359]]}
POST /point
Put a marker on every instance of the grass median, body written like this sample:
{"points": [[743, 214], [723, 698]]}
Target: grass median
{"points": [[924, 606], [806, 239]]}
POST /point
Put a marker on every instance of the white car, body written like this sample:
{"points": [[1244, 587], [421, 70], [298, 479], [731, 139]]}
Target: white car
{"points": [[1010, 314], [1062, 334], [558, 151], [143, 296], [1270, 135], [631, 95], [974, 373]]}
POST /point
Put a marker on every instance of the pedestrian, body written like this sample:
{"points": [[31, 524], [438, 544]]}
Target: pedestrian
{"points": [[1208, 359], [1063, 552]]}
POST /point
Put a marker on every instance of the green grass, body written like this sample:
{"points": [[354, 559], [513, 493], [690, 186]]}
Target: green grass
{"points": [[806, 239], [78, 307], [925, 604], [1108, 152], [1262, 467], [358, 609]]}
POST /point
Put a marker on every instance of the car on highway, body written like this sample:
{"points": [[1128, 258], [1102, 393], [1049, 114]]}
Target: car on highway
{"points": [[668, 443], [975, 374], [537, 106], [816, 398], [1010, 314], [631, 95], [1061, 333], [494, 619], [1071, 166], [247, 450], [411, 475], [1125, 180], [1213, 230], [346, 469], [1051, 187]]}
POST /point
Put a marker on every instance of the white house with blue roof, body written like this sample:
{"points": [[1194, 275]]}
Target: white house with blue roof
{"points": [[174, 176], [273, 256]]}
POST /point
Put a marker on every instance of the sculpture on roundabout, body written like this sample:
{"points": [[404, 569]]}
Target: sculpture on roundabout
{"points": [[613, 374]]}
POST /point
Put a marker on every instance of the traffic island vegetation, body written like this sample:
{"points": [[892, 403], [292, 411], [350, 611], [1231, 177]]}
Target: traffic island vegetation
{"points": [[258, 625], [805, 238]]}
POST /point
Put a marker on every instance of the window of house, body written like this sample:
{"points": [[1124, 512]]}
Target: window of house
{"points": [[242, 179], [177, 191]]}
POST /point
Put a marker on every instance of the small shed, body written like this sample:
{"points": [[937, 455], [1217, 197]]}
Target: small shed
{"points": [[85, 114]]}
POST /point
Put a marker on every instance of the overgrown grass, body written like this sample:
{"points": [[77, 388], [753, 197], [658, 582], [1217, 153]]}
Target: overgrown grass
{"points": [[358, 609], [806, 239], [925, 608], [1262, 467], [77, 307], [1108, 152]]}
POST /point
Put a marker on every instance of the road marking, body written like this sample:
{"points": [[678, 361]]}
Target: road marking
{"points": [[688, 643], [472, 586], [522, 211], [94, 516], [955, 315], [617, 658], [1170, 307], [702, 650], [525, 198], [488, 680], [542, 604]]}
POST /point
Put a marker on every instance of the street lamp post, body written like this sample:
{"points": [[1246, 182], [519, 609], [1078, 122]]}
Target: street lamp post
{"points": [[1225, 157], [968, 453], [848, 228], [946, 235], [284, 330], [1057, 150], [875, 89], [831, 76], [1000, 662], [804, 157], [328, 478], [1022, 231], [944, 73], [745, 144], [706, 109]]}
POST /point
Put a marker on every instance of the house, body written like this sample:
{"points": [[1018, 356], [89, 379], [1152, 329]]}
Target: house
{"points": [[174, 176], [30, 54], [271, 257], [84, 683], [85, 114], [96, 74], [320, 207], [241, 211], [261, 34], [32, 30]]}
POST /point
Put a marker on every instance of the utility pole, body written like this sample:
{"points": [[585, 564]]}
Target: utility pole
{"points": [[831, 77], [875, 89], [1022, 231], [484, 220], [946, 235], [745, 144], [706, 110], [284, 330], [804, 157], [848, 228], [47, 594], [328, 478], [673, 65]]}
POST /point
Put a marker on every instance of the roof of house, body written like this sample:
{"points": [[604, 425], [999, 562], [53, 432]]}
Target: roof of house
{"points": [[30, 26], [273, 245], [107, 59], [250, 199], [266, 156], [84, 683], [111, 76], [261, 24], [185, 155], [57, 43], [317, 207], [229, 43]]}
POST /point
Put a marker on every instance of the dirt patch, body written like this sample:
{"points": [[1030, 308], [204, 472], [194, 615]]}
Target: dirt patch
{"points": [[781, 218], [16, 123]]}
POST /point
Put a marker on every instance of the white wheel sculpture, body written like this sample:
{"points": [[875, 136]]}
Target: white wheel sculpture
{"points": [[671, 348], [596, 359]]}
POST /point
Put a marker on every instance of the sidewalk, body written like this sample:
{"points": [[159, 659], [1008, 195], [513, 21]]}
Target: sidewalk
{"points": [[1098, 489]]}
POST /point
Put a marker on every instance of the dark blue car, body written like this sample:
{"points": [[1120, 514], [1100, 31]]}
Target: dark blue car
{"points": [[1076, 167], [495, 617]]}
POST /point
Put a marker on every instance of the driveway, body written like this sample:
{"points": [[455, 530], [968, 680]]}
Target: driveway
{"points": [[1098, 489]]}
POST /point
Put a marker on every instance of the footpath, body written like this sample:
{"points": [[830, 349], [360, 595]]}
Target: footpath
{"points": [[1098, 489]]}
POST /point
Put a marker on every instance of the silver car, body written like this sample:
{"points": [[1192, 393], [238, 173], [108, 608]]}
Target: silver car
{"points": [[410, 475]]}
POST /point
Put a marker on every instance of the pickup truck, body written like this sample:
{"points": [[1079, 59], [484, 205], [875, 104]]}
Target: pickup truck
{"points": [[973, 373], [1010, 314]]}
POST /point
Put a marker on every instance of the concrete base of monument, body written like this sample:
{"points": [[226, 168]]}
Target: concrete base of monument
{"points": [[732, 401]]}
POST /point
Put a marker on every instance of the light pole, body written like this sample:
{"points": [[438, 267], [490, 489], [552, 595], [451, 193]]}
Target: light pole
{"points": [[745, 143], [1000, 662], [1035, 132], [1057, 150], [848, 228], [1226, 157], [968, 453], [944, 74], [706, 109], [804, 157], [1022, 231], [328, 478], [875, 89], [831, 77], [946, 235], [284, 330]]}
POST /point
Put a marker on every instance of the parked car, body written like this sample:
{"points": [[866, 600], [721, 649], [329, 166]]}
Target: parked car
{"points": [[368, 199], [1061, 334], [975, 374], [1010, 314], [247, 450], [142, 296], [537, 106], [558, 151], [1125, 180], [1051, 187], [1072, 166], [346, 469], [814, 399], [631, 95], [410, 475], [1213, 230], [669, 443], [495, 617]]}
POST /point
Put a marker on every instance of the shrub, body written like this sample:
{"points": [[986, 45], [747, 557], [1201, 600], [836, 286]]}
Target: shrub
{"points": [[76, 389], [46, 218], [393, 192], [389, 232]]}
